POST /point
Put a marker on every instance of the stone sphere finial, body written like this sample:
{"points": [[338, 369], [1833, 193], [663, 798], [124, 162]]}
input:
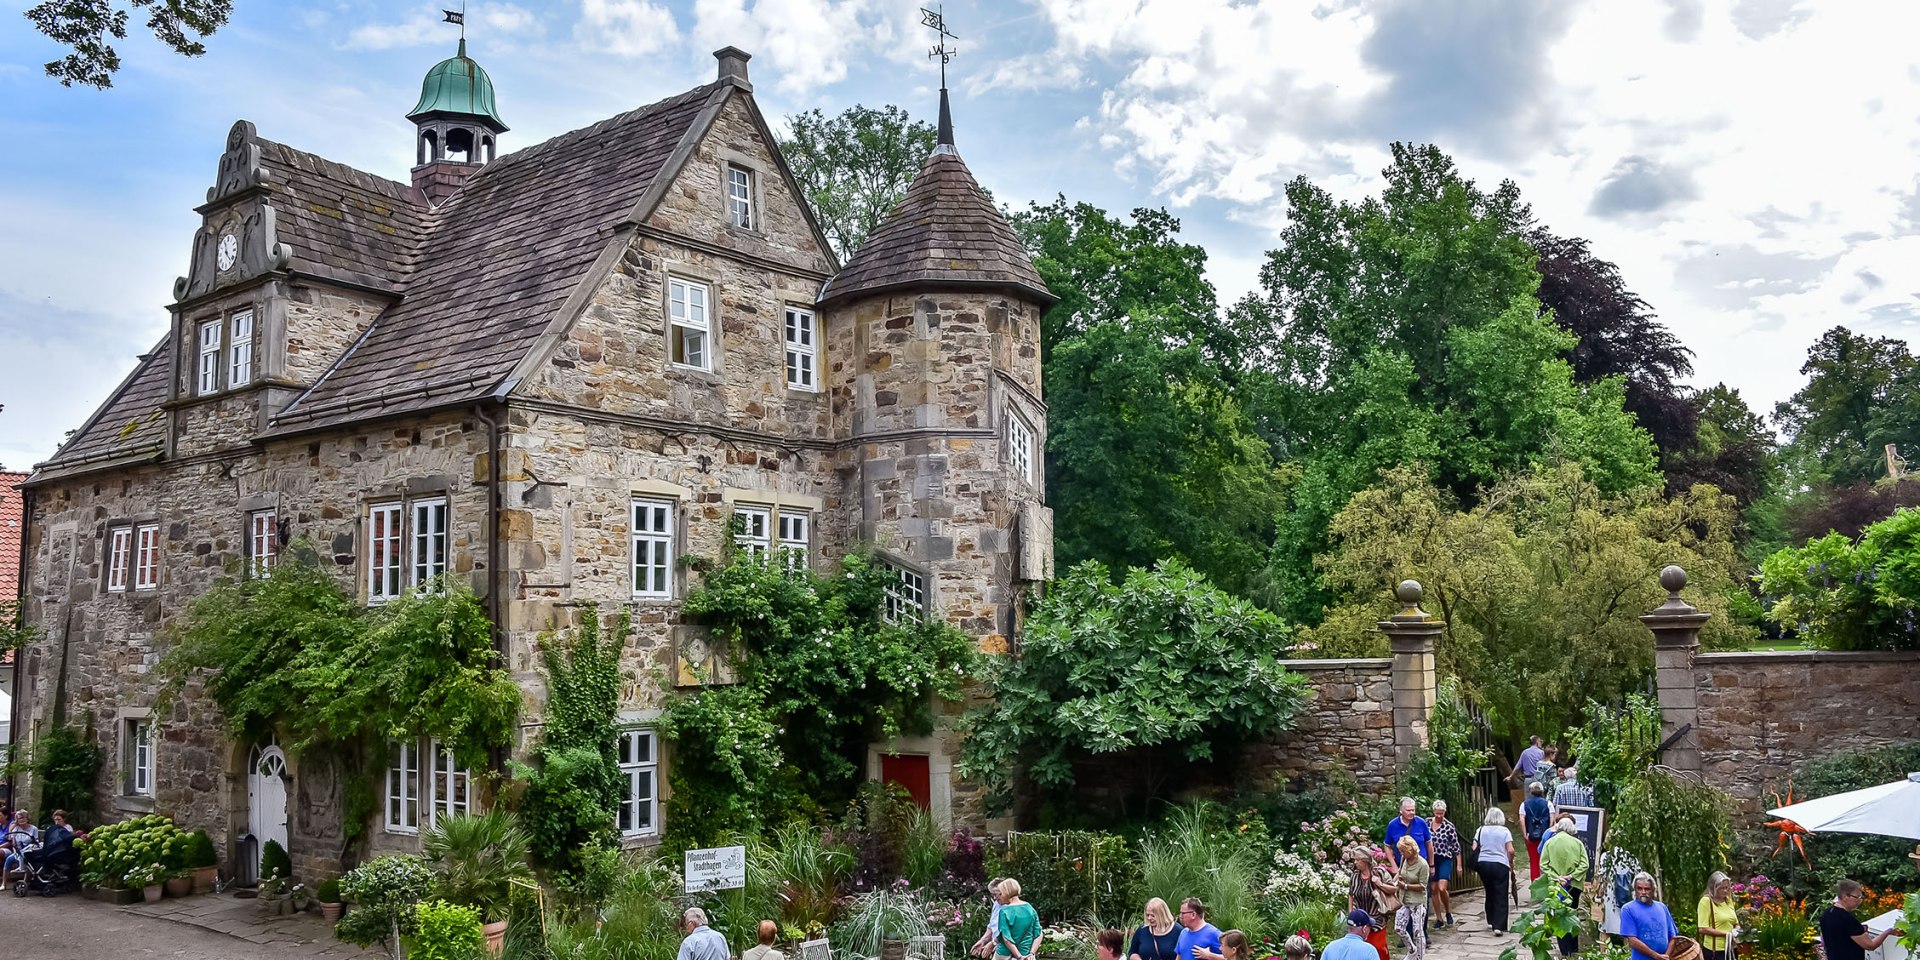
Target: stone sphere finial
{"points": [[1408, 592], [1673, 578]]}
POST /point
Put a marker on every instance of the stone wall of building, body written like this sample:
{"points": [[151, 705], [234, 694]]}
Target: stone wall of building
{"points": [[1348, 723], [1758, 715]]}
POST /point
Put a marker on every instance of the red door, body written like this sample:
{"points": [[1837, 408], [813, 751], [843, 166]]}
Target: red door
{"points": [[912, 772]]}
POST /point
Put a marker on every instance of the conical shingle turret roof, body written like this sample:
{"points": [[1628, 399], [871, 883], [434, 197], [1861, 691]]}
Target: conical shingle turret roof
{"points": [[944, 233]]}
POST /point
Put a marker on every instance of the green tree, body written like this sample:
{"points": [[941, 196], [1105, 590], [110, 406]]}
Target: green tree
{"points": [[1835, 425], [1732, 449], [1152, 452], [855, 167], [1407, 326], [84, 26], [1541, 583], [1161, 659], [1838, 594]]}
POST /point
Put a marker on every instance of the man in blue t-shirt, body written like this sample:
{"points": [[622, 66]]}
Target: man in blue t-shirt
{"points": [[1354, 945], [1645, 922], [1196, 932], [1408, 824]]}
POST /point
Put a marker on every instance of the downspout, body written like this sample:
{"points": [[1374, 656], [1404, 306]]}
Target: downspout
{"points": [[495, 581]]}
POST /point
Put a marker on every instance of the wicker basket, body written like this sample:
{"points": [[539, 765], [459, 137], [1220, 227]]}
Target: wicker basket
{"points": [[1683, 948]]}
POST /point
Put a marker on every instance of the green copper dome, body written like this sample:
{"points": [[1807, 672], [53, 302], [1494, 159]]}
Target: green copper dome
{"points": [[458, 86]]}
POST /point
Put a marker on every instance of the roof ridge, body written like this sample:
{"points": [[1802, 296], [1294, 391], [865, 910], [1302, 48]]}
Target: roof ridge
{"points": [[559, 140]]}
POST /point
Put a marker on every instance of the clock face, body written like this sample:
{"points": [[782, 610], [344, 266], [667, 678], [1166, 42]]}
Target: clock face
{"points": [[229, 251]]}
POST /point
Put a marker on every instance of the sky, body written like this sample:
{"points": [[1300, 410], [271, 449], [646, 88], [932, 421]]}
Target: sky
{"points": [[1749, 164]]}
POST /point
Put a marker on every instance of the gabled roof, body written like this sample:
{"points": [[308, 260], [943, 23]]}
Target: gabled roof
{"points": [[945, 232], [130, 426], [497, 261], [341, 223]]}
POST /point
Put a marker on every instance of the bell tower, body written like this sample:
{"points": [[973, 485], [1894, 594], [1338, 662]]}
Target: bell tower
{"points": [[456, 125]]}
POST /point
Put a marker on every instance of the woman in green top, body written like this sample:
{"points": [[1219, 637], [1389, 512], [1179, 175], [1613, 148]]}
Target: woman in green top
{"points": [[1718, 916], [1411, 919], [1019, 924]]}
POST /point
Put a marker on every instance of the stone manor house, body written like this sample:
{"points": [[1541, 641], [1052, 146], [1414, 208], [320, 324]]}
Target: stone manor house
{"points": [[549, 374]]}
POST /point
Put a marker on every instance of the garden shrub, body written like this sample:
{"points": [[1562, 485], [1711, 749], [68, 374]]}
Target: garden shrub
{"points": [[199, 851], [574, 786], [1674, 826], [384, 893], [65, 764], [114, 852], [446, 931], [274, 862], [1071, 875], [1195, 854], [1614, 744]]}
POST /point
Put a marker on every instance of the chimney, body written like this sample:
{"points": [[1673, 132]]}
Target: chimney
{"points": [[733, 66], [440, 179]]}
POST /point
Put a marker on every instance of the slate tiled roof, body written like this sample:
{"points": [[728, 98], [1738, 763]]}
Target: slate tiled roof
{"points": [[945, 231], [341, 223], [497, 260], [131, 425]]}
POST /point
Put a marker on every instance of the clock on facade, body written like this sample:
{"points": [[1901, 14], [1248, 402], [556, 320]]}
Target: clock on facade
{"points": [[229, 251]]}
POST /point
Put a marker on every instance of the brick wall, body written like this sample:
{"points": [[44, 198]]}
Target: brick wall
{"points": [[1759, 714]]}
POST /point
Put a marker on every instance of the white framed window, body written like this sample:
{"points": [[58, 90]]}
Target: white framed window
{"points": [[262, 542], [802, 350], [384, 557], [906, 596], [403, 787], [690, 324], [755, 536], [429, 556], [653, 548], [146, 556], [450, 793], [1019, 446], [740, 197], [119, 558], [209, 356], [795, 527], [136, 756], [639, 813], [240, 349]]}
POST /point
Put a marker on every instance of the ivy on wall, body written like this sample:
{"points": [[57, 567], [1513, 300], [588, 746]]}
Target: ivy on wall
{"points": [[820, 675], [291, 655], [573, 788]]}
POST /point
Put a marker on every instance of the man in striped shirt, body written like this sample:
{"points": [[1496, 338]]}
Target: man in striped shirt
{"points": [[1570, 793]]}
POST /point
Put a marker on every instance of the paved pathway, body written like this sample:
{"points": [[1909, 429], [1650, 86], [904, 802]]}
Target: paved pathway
{"points": [[211, 927]]}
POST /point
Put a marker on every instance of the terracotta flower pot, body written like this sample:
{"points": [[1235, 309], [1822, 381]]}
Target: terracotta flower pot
{"points": [[203, 878], [152, 892], [496, 937], [179, 886], [330, 912]]}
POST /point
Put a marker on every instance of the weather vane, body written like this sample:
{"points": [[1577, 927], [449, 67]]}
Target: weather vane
{"points": [[458, 16], [940, 51]]}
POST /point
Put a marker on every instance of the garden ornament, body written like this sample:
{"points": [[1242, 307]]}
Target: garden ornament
{"points": [[1789, 830]]}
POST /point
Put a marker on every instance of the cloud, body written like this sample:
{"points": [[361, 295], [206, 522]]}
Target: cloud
{"points": [[1684, 18], [63, 361], [805, 44], [626, 28], [1738, 275], [1640, 185], [1760, 19], [1462, 73], [501, 24]]}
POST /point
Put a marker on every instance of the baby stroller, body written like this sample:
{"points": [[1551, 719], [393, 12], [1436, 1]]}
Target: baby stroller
{"points": [[52, 869]]}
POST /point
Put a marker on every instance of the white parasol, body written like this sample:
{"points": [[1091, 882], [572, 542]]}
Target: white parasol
{"points": [[1889, 810]]}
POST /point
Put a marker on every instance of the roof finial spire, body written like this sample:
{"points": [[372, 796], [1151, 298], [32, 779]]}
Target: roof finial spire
{"points": [[941, 52]]}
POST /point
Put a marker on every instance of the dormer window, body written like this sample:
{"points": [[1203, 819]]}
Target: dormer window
{"points": [[740, 197], [226, 350]]}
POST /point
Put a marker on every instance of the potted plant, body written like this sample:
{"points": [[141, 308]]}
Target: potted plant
{"points": [[477, 858], [328, 893], [179, 883], [202, 861], [385, 892], [148, 879]]}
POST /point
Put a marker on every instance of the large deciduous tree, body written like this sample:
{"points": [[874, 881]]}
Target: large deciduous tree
{"points": [[1731, 448], [855, 167], [1837, 425], [85, 26], [1161, 660], [1541, 582], [1406, 327]]}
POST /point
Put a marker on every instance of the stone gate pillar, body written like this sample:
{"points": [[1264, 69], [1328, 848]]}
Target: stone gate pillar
{"points": [[1410, 636], [1676, 638]]}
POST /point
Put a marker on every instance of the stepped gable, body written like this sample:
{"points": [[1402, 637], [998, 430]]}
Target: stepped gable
{"points": [[944, 233], [343, 224], [498, 259], [130, 426]]}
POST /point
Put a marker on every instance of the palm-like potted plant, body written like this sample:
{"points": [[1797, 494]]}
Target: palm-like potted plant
{"points": [[477, 859]]}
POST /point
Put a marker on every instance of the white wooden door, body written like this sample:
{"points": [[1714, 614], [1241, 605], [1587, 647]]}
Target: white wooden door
{"points": [[267, 796]]}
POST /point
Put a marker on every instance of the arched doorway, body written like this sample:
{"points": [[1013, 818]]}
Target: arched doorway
{"points": [[267, 796]]}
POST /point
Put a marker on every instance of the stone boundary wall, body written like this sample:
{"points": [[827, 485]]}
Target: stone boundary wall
{"points": [[1760, 714], [1348, 722]]}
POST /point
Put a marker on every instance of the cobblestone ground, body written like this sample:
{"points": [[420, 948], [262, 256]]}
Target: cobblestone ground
{"points": [[210, 927]]}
